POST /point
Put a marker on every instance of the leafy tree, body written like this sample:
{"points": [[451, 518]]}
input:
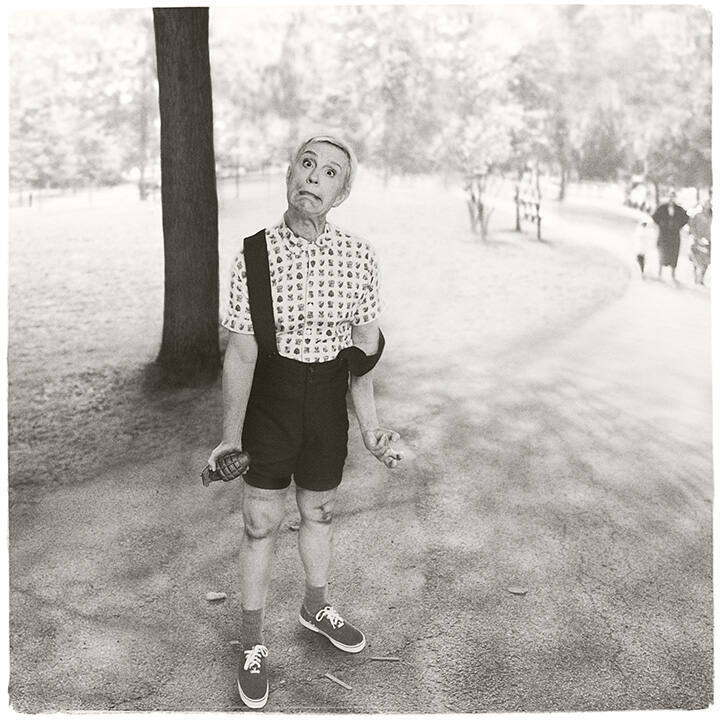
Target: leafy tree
{"points": [[602, 154], [668, 91], [74, 100], [415, 88]]}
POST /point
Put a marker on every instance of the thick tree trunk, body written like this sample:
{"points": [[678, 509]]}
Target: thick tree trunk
{"points": [[189, 352]]}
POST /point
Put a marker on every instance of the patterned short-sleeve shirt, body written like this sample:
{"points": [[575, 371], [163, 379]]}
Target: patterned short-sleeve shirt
{"points": [[320, 290]]}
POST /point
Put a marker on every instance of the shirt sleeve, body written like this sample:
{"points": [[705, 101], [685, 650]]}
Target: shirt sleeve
{"points": [[368, 309], [237, 316]]}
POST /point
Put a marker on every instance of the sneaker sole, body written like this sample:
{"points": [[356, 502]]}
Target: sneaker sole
{"points": [[252, 703], [343, 647]]}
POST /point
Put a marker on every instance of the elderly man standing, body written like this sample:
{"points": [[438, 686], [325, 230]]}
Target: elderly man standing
{"points": [[303, 312]]}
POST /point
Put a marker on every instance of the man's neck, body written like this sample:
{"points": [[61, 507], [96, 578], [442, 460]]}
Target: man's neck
{"points": [[306, 227]]}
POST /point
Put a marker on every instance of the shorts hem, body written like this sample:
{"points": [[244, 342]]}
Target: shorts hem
{"points": [[266, 483], [321, 485]]}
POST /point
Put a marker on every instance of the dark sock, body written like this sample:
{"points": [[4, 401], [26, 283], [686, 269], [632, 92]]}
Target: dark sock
{"points": [[315, 598], [251, 630]]}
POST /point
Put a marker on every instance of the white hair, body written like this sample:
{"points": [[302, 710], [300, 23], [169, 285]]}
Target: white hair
{"points": [[343, 146]]}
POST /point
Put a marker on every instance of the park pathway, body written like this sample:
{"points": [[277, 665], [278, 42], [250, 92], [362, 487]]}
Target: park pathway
{"points": [[580, 471], [576, 467]]}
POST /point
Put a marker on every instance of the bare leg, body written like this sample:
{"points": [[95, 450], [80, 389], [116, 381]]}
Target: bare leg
{"points": [[315, 538], [263, 512]]}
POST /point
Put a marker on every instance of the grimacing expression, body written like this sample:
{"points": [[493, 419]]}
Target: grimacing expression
{"points": [[316, 178]]}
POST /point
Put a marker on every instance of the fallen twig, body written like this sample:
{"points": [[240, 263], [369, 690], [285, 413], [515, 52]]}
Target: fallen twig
{"points": [[337, 681], [517, 590], [384, 658], [215, 596]]}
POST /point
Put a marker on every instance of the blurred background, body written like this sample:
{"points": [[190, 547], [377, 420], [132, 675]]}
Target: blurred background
{"points": [[615, 94]]}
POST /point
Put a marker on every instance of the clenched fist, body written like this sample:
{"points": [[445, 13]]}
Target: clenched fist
{"points": [[378, 440]]}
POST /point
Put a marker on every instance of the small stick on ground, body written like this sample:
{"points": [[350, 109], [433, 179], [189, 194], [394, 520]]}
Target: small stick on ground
{"points": [[215, 596], [517, 590], [384, 658], [337, 681]]}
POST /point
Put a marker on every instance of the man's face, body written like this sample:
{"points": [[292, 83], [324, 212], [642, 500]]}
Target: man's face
{"points": [[316, 179]]}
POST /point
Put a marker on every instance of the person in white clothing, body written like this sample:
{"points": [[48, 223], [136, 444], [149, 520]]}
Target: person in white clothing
{"points": [[643, 238]]}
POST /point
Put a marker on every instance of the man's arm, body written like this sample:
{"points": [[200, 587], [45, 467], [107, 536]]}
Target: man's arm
{"points": [[238, 371], [377, 439]]}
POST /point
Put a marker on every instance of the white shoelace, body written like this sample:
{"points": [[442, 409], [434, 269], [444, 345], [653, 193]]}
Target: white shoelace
{"points": [[252, 658], [331, 615]]}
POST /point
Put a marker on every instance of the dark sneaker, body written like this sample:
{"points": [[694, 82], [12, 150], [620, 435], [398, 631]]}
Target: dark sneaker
{"points": [[252, 677], [328, 622]]}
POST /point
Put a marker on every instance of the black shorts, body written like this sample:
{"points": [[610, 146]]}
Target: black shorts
{"points": [[296, 424]]}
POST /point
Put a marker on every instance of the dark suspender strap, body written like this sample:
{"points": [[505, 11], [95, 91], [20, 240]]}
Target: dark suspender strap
{"points": [[257, 269]]}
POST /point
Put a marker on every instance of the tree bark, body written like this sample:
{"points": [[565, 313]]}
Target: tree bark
{"points": [[189, 352]]}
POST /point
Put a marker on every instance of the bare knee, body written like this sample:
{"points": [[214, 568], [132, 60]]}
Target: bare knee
{"points": [[262, 516], [316, 508], [259, 529], [322, 513]]}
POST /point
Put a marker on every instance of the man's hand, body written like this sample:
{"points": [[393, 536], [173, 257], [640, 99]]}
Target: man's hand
{"points": [[378, 440], [219, 451]]}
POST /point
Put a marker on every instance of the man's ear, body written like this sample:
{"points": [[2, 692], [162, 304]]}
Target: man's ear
{"points": [[287, 174], [343, 195]]}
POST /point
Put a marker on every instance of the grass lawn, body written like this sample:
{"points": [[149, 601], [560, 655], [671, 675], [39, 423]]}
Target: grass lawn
{"points": [[86, 296]]}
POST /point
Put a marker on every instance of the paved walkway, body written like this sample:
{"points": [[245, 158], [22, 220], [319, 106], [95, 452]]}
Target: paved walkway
{"points": [[578, 468]]}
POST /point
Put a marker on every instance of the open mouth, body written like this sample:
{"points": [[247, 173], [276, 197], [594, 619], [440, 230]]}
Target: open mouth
{"points": [[302, 192]]}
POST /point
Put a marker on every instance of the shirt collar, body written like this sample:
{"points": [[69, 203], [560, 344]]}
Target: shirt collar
{"points": [[295, 244]]}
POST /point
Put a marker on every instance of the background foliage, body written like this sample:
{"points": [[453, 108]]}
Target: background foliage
{"points": [[589, 92]]}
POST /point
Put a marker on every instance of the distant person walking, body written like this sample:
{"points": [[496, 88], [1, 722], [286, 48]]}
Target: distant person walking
{"points": [[700, 229], [670, 218], [643, 236]]}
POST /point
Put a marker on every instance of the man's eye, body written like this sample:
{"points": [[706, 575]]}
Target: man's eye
{"points": [[307, 163], [331, 172]]}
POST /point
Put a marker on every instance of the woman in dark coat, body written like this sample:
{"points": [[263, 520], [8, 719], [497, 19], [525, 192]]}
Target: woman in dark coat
{"points": [[670, 218]]}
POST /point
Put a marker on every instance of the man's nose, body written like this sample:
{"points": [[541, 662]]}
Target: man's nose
{"points": [[312, 176]]}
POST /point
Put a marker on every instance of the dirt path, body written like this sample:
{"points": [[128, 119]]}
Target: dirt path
{"points": [[563, 447]]}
